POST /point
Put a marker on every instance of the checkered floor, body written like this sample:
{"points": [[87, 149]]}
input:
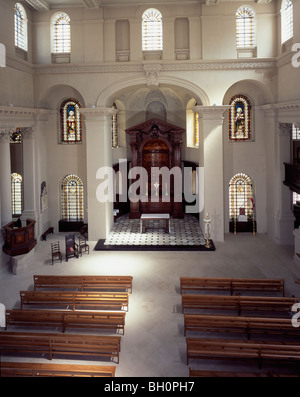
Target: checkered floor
{"points": [[182, 232]]}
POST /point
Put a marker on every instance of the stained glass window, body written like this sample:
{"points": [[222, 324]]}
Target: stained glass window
{"points": [[20, 27], [72, 198], [196, 129], [16, 136], [241, 205], [240, 119], [152, 30], [70, 121], [16, 194], [114, 128], [245, 28], [61, 34], [286, 20]]}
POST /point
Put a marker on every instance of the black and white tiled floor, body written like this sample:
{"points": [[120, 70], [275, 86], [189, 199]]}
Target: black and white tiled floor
{"points": [[185, 231]]}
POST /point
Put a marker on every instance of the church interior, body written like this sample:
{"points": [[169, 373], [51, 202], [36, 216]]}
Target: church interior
{"points": [[157, 141]]}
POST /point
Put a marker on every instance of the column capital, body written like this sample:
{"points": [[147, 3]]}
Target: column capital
{"points": [[28, 132], [285, 129], [5, 134]]}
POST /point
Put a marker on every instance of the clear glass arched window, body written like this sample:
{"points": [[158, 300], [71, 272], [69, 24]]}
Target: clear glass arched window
{"points": [[61, 33], [152, 30], [241, 197], [245, 28], [72, 198], [286, 20], [70, 121], [20, 27], [16, 194]]}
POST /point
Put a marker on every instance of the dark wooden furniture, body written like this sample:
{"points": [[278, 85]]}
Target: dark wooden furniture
{"points": [[55, 252], [114, 300], [198, 373], [232, 285], [156, 143], [70, 226], [242, 227], [48, 231], [247, 325], [66, 319], [120, 283], [66, 344], [238, 303], [20, 240], [82, 245], [71, 246], [202, 348], [26, 369]]}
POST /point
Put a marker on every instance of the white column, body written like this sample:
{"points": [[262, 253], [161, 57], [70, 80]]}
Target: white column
{"points": [[30, 168], [5, 177], [211, 121], [99, 154], [285, 216]]}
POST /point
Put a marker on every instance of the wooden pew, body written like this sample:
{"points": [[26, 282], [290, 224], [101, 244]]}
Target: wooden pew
{"points": [[119, 283], [66, 319], [115, 300], [248, 325], [45, 234], [55, 344], [198, 348], [231, 285], [198, 373], [239, 303], [25, 369]]}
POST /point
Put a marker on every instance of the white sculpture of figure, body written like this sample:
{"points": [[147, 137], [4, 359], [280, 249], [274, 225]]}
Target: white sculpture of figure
{"points": [[207, 221]]}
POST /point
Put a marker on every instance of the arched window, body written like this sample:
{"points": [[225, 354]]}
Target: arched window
{"points": [[245, 28], [61, 33], [286, 20], [20, 27], [152, 30], [70, 121], [240, 118], [114, 128], [16, 194], [72, 198], [241, 198]]}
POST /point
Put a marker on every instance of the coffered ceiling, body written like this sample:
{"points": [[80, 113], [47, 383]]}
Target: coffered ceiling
{"points": [[44, 5]]}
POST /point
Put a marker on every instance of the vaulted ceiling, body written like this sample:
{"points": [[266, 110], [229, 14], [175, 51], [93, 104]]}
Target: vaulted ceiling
{"points": [[44, 5]]}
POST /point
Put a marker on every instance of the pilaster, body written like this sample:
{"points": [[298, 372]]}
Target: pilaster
{"points": [[99, 155], [211, 118]]}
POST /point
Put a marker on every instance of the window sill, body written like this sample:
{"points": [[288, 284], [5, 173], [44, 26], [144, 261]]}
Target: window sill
{"points": [[61, 58], [247, 52]]}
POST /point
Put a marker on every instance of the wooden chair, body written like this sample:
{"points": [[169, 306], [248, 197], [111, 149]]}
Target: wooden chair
{"points": [[55, 251], [83, 246], [71, 246]]}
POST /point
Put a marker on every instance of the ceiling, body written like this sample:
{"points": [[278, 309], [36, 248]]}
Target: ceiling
{"points": [[44, 5]]}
